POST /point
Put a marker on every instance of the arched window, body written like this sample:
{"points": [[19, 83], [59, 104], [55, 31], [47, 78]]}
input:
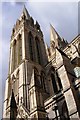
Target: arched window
{"points": [[19, 48], [54, 83], [38, 50], [30, 39], [55, 80]]}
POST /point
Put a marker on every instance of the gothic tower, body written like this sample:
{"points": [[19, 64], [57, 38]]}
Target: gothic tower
{"points": [[27, 53], [41, 83]]}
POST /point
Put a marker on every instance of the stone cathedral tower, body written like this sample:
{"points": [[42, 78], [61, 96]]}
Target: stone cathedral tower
{"points": [[42, 82], [27, 58]]}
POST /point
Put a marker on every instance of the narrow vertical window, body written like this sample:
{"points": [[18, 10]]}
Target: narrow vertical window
{"points": [[57, 86], [30, 37], [17, 45], [59, 81], [19, 49], [38, 50], [54, 83], [14, 55]]}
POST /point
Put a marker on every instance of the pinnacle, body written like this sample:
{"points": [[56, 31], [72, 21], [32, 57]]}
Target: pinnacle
{"points": [[25, 11]]}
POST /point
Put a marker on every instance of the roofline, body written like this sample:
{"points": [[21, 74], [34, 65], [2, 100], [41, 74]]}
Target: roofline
{"points": [[74, 38], [71, 42]]}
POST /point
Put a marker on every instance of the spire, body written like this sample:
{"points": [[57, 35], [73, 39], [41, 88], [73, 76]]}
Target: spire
{"points": [[13, 102], [13, 107], [25, 12], [54, 36]]}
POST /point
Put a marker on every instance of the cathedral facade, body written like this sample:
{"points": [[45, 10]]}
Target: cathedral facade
{"points": [[43, 81]]}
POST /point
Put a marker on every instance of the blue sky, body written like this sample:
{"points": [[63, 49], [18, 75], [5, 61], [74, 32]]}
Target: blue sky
{"points": [[62, 15]]}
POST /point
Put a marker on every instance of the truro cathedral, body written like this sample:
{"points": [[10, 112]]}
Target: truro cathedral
{"points": [[43, 81]]}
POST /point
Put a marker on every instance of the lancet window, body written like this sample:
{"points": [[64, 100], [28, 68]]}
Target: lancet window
{"points": [[19, 48], [38, 50], [30, 39], [14, 55], [56, 82]]}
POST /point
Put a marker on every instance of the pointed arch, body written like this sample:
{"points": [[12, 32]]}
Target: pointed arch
{"points": [[15, 83], [13, 77], [56, 82], [17, 72], [51, 69]]}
